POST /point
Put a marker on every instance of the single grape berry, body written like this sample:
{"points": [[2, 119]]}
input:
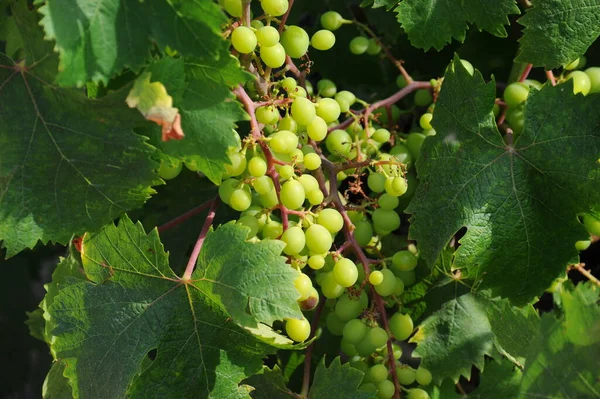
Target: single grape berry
{"points": [[273, 56], [423, 376], [295, 40], [323, 40], [401, 326], [298, 330], [243, 39], [169, 170], [312, 161], [417, 393], [515, 94], [331, 20], [376, 277], [275, 8], [267, 36], [359, 45]]}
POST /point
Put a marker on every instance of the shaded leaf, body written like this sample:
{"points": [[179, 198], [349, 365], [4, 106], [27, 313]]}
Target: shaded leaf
{"points": [[268, 384], [338, 380]]}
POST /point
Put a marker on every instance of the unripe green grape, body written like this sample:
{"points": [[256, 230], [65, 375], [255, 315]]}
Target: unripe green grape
{"points": [[401, 153], [401, 326], [592, 224], [363, 232], [374, 47], [376, 277], [417, 393], [385, 219], [295, 40], [289, 84], [381, 135], [318, 239], [339, 142], [399, 288], [297, 156], [168, 170], [594, 74], [311, 302], [263, 185], [414, 142], [309, 88], [345, 272], [292, 194], [377, 337], [334, 324], [275, 8], [315, 197], [383, 116], [303, 111], [243, 39], [256, 24], [408, 277], [272, 229], [309, 183], [331, 20], [582, 245], [299, 92], [572, 65], [283, 141], [425, 120], [317, 129], [267, 115], [406, 375], [241, 199], [349, 307], [365, 348], [302, 283], [286, 171], [312, 161], [401, 81], [298, 330], [388, 202], [326, 88], [328, 109], [385, 389], [581, 82], [348, 348], [273, 56], [323, 40], [516, 120], [257, 166], [377, 373], [331, 219], [294, 240], [354, 331], [316, 262], [233, 7], [404, 260], [346, 96], [330, 288], [267, 36], [226, 188], [423, 97], [251, 222], [376, 182], [288, 123], [237, 165], [359, 45], [515, 94], [387, 286], [423, 376]]}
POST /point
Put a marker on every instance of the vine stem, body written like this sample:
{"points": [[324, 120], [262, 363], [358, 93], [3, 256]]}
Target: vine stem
{"points": [[581, 269], [551, 78], [526, 72], [285, 16], [182, 218], [189, 269], [308, 357]]}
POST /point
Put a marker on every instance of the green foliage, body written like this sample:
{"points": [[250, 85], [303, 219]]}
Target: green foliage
{"points": [[338, 379]]}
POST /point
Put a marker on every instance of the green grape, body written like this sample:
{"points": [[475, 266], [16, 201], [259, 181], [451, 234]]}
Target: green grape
{"points": [[406, 375], [533, 83], [251, 222], [295, 41], [363, 232], [226, 188], [286, 171], [168, 170], [516, 93], [334, 324], [331, 219], [594, 74], [328, 109], [414, 142], [345, 272], [360, 365], [401, 153], [416, 393], [423, 97], [275, 8], [298, 330], [273, 56], [288, 123], [289, 84], [350, 307], [318, 239], [404, 260], [272, 229], [257, 167], [374, 47], [388, 202], [377, 337], [237, 165], [385, 219], [401, 326], [573, 65], [359, 45], [326, 88], [283, 141], [355, 331], [267, 36], [309, 183], [315, 197], [302, 283], [233, 7], [388, 285], [401, 81], [294, 240], [312, 161], [330, 288], [423, 376], [339, 142], [309, 88], [292, 194], [243, 39], [331, 20], [592, 224], [581, 82], [383, 114], [303, 111], [267, 115], [399, 288], [297, 156], [408, 277], [377, 373], [376, 277], [241, 199], [385, 389], [300, 92], [376, 182], [346, 96], [317, 129], [311, 302], [316, 262], [365, 348], [263, 185], [256, 24], [323, 40], [582, 245], [381, 135], [348, 348], [425, 120], [516, 120]]}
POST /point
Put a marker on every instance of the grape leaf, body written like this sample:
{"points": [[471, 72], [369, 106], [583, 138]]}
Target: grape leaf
{"points": [[56, 386], [134, 303], [433, 23], [268, 384], [97, 39], [64, 168], [582, 315], [558, 31], [338, 380], [388, 4], [518, 201]]}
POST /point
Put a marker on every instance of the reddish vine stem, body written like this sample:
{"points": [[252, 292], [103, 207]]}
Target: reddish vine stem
{"points": [[182, 218], [581, 269], [308, 357], [526, 72], [390, 349], [285, 16], [551, 78], [189, 269]]}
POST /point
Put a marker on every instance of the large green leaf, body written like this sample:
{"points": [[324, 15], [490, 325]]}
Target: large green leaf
{"points": [[558, 31], [133, 303], [434, 23], [338, 381], [96, 39], [268, 384], [64, 168], [518, 201]]}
